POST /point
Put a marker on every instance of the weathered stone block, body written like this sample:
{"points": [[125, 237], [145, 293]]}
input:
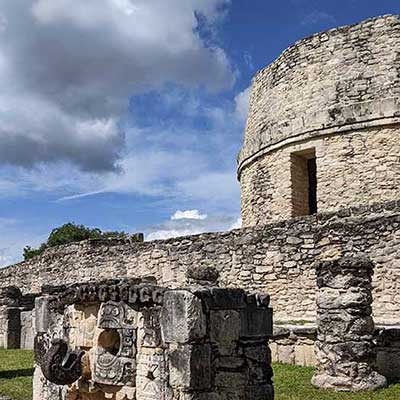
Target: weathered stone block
{"points": [[152, 375], [27, 335], [345, 350], [190, 367], [225, 379], [199, 396], [256, 322], [182, 317], [42, 315], [149, 328], [305, 355], [225, 326], [265, 392], [223, 299], [125, 358]]}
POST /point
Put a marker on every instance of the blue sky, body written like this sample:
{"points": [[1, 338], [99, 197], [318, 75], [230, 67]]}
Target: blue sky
{"points": [[128, 114]]}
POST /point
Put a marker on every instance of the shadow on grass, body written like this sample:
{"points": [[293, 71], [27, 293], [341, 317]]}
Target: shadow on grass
{"points": [[16, 373], [393, 381]]}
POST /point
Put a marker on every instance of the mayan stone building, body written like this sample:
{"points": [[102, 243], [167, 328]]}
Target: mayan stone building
{"points": [[319, 173], [322, 132]]}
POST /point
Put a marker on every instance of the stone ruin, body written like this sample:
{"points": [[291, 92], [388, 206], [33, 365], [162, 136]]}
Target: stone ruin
{"points": [[16, 316], [345, 349], [319, 181], [126, 339]]}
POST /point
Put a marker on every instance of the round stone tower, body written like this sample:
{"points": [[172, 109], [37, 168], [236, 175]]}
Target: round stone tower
{"points": [[323, 130]]}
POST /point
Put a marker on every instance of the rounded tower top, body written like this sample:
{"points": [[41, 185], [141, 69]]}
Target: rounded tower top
{"points": [[341, 80]]}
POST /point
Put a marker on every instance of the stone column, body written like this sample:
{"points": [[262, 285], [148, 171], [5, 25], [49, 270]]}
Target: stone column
{"points": [[344, 348], [10, 318]]}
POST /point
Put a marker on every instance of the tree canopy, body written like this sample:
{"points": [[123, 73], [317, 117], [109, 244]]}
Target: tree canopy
{"points": [[69, 233]]}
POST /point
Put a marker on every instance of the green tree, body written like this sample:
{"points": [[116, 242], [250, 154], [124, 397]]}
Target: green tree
{"points": [[69, 233]]}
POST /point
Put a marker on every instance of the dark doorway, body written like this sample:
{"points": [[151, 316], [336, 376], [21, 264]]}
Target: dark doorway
{"points": [[304, 182], [312, 185]]}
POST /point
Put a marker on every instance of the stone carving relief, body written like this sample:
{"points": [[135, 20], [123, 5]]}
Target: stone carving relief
{"points": [[115, 351], [132, 341], [60, 365]]}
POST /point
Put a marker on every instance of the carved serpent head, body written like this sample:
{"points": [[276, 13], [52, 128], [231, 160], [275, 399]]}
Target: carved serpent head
{"points": [[61, 365]]}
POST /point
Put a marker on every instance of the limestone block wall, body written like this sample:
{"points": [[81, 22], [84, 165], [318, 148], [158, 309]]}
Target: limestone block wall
{"points": [[277, 258], [336, 92], [362, 167], [294, 344]]}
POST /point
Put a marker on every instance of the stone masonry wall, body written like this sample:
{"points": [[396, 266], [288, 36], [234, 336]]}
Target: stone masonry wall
{"points": [[331, 81], [338, 92], [277, 258], [362, 167]]}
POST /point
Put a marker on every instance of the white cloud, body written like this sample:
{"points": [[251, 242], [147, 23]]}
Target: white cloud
{"points": [[188, 214], [242, 102], [67, 68], [190, 226], [173, 160]]}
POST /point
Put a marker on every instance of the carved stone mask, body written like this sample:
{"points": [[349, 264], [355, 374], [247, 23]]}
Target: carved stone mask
{"points": [[114, 360]]}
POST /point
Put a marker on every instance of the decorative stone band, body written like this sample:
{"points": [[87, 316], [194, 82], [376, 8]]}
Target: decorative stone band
{"points": [[266, 142], [130, 291]]}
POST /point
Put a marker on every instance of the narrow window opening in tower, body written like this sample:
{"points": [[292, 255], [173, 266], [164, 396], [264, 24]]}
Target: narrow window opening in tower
{"points": [[312, 185], [304, 182]]}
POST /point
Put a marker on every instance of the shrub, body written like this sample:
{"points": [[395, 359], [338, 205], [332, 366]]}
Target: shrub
{"points": [[69, 233]]}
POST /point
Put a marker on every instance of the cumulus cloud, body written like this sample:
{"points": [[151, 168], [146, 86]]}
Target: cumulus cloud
{"points": [[67, 68], [190, 226], [242, 102], [188, 214], [170, 156]]}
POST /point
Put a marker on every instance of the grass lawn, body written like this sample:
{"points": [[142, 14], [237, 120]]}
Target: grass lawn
{"points": [[16, 370], [291, 382]]}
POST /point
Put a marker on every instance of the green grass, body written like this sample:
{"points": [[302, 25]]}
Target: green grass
{"points": [[291, 382], [16, 370]]}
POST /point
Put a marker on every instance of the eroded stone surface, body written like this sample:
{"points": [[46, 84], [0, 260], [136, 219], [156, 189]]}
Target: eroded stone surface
{"points": [[187, 344], [345, 349], [325, 95]]}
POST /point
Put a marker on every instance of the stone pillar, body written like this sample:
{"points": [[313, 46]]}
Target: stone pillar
{"points": [[344, 348], [10, 318]]}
